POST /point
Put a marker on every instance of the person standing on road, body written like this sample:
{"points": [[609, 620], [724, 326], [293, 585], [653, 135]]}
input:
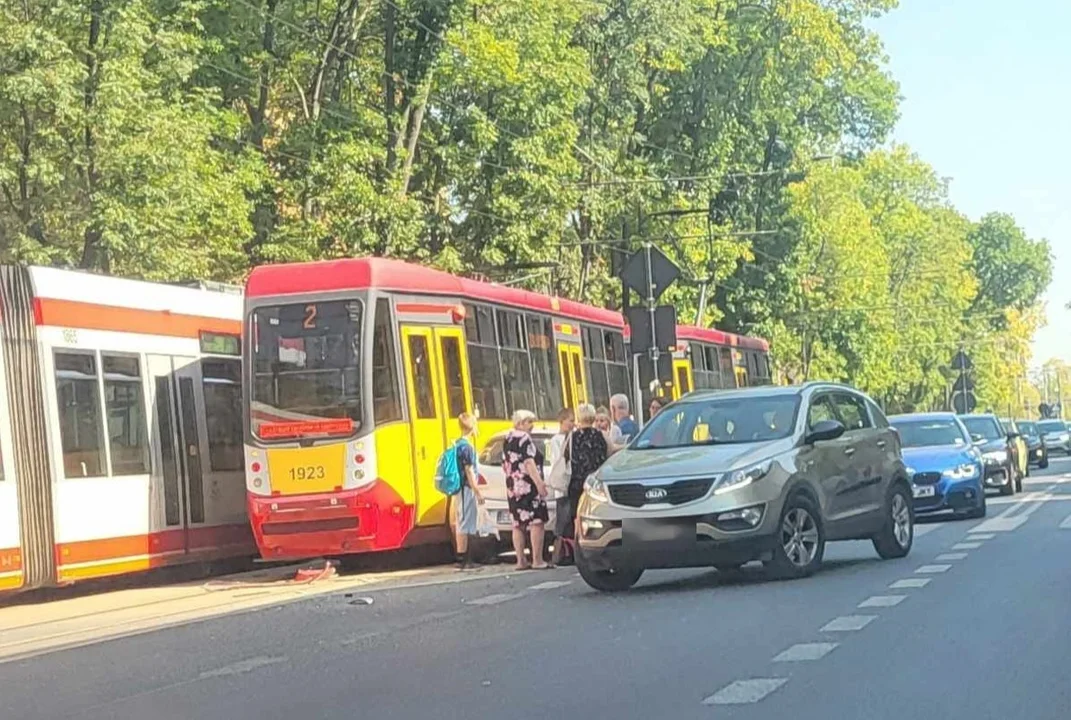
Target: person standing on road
{"points": [[522, 464], [624, 427], [602, 422], [559, 482], [655, 407], [470, 498], [587, 453]]}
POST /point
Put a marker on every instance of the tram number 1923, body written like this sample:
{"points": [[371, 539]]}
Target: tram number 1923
{"points": [[307, 472]]}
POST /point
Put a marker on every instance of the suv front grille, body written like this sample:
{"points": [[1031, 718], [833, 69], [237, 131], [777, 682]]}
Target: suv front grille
{"points": [[678, 493], [926, 478]]}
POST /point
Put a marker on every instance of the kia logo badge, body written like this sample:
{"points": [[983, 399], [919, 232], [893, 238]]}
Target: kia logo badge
{"points": [[656, 494]]}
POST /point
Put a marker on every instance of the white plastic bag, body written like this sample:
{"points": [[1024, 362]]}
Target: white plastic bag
{"points": [[485, 525], [558, 477]]}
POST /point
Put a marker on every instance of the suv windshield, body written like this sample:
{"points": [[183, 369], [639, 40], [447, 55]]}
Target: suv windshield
{"points": [[930, 433], [721, 421], [1027, 427], [306, 369], [1052, 426], [983, 426]]}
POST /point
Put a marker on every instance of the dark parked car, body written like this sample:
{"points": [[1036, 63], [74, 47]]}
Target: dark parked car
{"points": [[999, 452], [721, 478], [1037, 453]]}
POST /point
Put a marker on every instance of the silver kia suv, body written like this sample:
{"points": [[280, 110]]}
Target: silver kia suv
{"points": [[721, 478]]}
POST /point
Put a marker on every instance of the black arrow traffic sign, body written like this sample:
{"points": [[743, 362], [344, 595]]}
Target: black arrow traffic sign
{"points": [[663, 273]]}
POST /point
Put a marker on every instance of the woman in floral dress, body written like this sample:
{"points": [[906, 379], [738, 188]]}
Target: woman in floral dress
{"points": [[522, 463]]}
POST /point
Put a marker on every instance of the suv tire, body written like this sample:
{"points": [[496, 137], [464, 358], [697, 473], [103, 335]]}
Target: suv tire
{"points": [[1044, 464], [800, 540], [608, 581], [897, 532]]}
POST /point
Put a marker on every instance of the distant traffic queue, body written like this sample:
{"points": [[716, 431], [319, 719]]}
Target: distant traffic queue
{"points": [[137, 433]]}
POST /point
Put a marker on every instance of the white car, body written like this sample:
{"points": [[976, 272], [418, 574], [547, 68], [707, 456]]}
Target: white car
{"points": [[492, 482]]}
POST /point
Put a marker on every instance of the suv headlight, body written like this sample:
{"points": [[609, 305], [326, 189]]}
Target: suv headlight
{"points": [[596, 489], [741, 478], [966, 471], [996, 457]]}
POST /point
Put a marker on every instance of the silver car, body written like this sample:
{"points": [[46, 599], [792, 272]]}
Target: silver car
{"points": [[721, 478], [1055, 436]]}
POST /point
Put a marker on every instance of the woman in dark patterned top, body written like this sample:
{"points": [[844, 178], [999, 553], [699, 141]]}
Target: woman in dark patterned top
{"points": [[587, 453], [522, 464]]}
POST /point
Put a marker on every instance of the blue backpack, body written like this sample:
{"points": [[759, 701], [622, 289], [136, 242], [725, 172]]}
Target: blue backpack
{"points": [[448, 478]]}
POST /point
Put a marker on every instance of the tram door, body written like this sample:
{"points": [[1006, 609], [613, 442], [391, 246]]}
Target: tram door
{"points": [[178, 473], [437, 385], [571, 364], [682, 377]]}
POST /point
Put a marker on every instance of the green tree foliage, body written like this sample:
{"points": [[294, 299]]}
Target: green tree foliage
{"points": [[108, 158], [530, 142]]}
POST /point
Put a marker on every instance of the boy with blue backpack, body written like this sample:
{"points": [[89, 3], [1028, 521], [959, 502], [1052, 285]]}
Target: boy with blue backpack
{"points": [[456, 477]]}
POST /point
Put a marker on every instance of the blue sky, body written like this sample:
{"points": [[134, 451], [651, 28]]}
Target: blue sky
{"points": [[986, 88]]}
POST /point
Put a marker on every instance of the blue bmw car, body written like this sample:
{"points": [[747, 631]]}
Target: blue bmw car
{"points": [[946, 469]]}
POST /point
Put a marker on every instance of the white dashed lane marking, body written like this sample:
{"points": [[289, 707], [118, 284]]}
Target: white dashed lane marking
{"points": [[883, 601], [550, 585], [933, 569], [242, 667], [909, 583], [951, 556], [1000, 524], [849, 623], [1066, 524], [745, 692], [806, 651], [495, 599], [980, 536], [966, 546], [921, 530]]}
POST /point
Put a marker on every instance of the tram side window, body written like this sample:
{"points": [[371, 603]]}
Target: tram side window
{"points": [[81, 424], [546, 375], [595, 364], [124, 403], [728, 373], [222, 384], [485, 368], [386, 398], [516, 370], [699, 366], [616, 362], [713, 368]]}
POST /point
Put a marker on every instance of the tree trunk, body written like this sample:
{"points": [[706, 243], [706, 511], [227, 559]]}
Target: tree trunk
{"points": [[420, 107], [388, 67], [94, 254], [264, 214]]}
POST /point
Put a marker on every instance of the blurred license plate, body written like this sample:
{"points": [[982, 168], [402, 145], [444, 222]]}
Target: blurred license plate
{"points": [[645, 531], [922, 491]]}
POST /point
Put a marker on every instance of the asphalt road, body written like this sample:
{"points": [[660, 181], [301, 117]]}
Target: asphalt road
{"points": [[986, 637]]}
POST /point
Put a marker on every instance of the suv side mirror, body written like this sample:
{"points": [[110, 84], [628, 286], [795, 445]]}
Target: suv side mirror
{"points": [[1013, 435], [824, 430]]}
